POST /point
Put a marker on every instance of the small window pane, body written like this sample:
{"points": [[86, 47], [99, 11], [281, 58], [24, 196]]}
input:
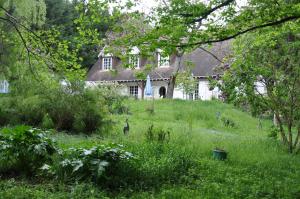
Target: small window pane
{"points": [[134, 61], [134, 91], [107, 63], [163, 61]]}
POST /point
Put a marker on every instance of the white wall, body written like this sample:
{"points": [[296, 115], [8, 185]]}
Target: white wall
{"points": [[260, 88], [204, 92]]}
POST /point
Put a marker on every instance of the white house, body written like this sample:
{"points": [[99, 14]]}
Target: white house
{"points": [[109, 68]]}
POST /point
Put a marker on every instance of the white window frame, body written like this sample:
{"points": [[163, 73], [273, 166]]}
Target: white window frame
{"points": [[4, 86], [163, 61], [136, 62], [105, 65], [134, 91]]}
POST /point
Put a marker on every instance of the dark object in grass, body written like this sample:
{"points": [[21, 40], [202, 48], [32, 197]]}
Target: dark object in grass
{"points": [[158, 135], [126, 127], [219, 154], [228, 122]]}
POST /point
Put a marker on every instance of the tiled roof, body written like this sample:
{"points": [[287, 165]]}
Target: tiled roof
{"points": [[203, 66]]}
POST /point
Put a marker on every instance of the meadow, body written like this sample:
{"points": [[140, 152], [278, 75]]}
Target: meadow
{"points": [[180, 165]]}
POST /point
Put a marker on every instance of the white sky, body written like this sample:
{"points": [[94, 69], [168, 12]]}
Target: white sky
{"points": [[146, 5]]}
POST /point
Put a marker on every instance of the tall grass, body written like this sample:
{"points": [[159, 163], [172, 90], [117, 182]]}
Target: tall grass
{"points": [[257, 166]]}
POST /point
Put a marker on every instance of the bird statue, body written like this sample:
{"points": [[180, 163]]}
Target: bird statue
{"points": [[126, 127]]}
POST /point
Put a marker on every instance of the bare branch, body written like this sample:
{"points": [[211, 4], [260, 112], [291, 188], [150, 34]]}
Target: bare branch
{"points": [[274, 23], [208, 12]]}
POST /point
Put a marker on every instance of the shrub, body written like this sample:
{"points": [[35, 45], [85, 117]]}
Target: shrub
{"points": [[227, 122], [274, 131], [24, 150], [47, 122], [114, 100], [96, 164], [71, 107], [157, 135]]}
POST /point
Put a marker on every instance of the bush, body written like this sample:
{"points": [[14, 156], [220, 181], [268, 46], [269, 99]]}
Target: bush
{"points": [[82, 110], [96, 164], [23, 150], [274, 131], [47, 122], [114, 100], [71, 108], [227, 122], [157, 135]]}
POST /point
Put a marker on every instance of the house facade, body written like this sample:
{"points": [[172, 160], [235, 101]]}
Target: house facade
{"points": [[110, 69]]}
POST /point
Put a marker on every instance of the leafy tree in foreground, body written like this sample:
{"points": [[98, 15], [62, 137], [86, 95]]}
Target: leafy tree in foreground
{"points": [[270, 59], [31, 15], [183, 25], [54, 48]]}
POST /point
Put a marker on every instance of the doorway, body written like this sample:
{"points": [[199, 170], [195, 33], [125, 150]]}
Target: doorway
{"points": [[162, 92]]}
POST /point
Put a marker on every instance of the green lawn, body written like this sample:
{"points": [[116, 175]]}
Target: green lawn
{"points": [[257, 166]]}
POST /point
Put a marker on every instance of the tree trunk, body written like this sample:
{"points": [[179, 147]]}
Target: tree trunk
{"points": [[297, 138], [142, 86], [171, 87], [172, 81], [279, 122], [290, 138]]}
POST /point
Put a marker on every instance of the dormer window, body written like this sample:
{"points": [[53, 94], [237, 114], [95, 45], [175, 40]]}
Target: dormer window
{"points": [[107, 63], [134, 57], [134, 61], [163, 61]]}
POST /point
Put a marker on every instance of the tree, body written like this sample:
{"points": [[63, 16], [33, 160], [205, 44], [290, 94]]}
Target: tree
{"points": [[269, 58], [31, 14], [182, 25], [61, 51]]}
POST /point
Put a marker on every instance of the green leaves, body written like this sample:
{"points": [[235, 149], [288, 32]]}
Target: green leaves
{"points": [[24, 149], [265, 74], [89, 164]]}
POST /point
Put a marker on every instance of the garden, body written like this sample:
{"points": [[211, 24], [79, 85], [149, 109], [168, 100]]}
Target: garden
{"points": [[65, 133], [167, 153]]}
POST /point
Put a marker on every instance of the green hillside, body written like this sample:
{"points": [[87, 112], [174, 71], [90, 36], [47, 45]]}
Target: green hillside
{"points": [[181, 165]]}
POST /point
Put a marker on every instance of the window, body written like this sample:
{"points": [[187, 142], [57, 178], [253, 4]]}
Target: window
{"points": [[107, 63], [4, 86], [134, 61], [134, 91], [163, 61]]}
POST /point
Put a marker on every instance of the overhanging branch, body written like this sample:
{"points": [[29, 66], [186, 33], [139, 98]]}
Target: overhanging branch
{"points": [[208, 12], [274, 23]]}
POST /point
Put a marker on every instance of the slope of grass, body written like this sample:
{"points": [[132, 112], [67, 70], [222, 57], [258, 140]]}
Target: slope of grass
{"points": [[257, 166]]}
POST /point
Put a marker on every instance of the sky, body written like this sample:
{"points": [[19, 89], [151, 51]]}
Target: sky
{"points": [[146, 5]]}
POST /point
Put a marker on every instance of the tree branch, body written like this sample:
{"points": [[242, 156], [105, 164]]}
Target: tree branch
{"points": [[274, 23], [208, 12], [16, 21], [23, 41]]}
